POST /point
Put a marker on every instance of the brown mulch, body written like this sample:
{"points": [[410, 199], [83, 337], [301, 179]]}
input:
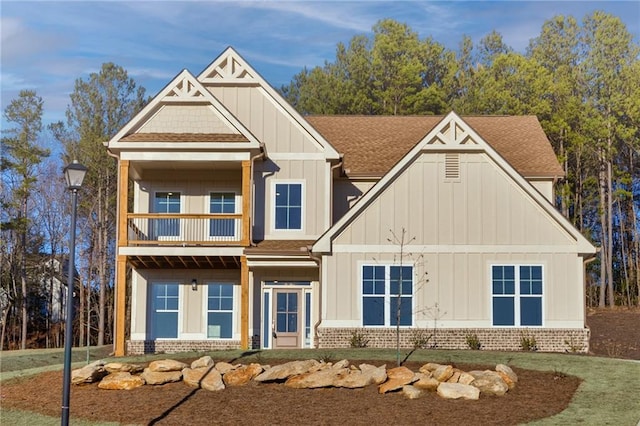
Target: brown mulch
{"points": [[537, 395], [614, 333]]}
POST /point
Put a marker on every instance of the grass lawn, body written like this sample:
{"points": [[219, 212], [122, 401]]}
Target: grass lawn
{"points": [[609, 394]]}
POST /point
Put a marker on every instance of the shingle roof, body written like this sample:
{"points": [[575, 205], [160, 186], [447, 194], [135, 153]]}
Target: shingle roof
{"points": [[290, 247], [184, 137], [371, 145]]}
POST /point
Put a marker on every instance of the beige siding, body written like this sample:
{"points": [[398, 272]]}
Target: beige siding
{"points": [[545, 187], [265, 120], [192, 303], [459, 283], [186, 119], [311, 173], [461, 227], [345, 194], [194, 187], [484, 207]]}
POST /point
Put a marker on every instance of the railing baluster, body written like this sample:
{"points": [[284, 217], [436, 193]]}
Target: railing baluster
{"points": [[167, 229]]}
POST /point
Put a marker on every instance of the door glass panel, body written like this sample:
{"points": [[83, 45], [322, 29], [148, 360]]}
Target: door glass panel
{"points": [[287, 312]]}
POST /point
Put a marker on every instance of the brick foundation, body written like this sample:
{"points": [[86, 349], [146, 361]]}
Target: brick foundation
{"points": [[503, 339], [139, 347]]}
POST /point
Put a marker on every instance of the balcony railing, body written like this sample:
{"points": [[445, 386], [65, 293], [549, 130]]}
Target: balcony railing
{"points": [[184, 229]]}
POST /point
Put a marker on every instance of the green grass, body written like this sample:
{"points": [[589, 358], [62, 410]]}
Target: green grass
{"points": [[608, 395]]}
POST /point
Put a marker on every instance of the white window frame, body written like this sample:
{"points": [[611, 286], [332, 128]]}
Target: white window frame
{"points": [[151, 327], [517, 296], [237, 208], [387, 294], [181, 222], [273, 204], [233, 310]]}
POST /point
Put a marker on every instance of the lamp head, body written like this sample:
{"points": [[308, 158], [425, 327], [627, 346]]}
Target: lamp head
{"points": [[74, 175]]}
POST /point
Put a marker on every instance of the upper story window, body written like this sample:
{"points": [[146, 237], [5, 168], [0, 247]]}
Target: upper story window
{"points": [[382, 285], [517, 295], [288, 206], [222, 202], [166, 202]]}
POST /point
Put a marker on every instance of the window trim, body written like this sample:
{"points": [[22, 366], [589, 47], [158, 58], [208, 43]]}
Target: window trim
{"points": [[387, 294], [517, 296], [205, 309], [273, 204]]}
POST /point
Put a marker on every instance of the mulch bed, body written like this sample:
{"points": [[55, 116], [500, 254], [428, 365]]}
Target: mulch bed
{"points": [[537, 395]]}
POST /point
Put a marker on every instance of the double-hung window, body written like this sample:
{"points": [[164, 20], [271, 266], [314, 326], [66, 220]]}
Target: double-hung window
{"points": [[165, 302], [517, 295], [220, 311], [222, 203], [288, 206], [167, 202], [387, 295]]}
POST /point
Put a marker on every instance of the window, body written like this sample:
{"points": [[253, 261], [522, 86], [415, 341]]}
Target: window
{"points": [[288, 206], [385, 291], [167, 202], [517, 295], [224, 203], [165, 302], [220, 311]]}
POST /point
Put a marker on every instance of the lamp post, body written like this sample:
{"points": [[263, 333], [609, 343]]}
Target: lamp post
{"points": [[74, 175]]}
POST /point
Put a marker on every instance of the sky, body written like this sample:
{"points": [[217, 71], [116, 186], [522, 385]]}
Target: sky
{"points": [[45, 46]]}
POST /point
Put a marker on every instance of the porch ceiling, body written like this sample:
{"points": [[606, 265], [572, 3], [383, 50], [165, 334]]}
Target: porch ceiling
{"points": [[185, 262]]}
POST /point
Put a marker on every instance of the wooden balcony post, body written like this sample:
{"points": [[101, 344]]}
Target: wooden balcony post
{"points": [[121, 264], [246, 202], [244, 303]]}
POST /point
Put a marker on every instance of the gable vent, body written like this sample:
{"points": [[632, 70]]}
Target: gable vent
{"points": [[452, 166]]}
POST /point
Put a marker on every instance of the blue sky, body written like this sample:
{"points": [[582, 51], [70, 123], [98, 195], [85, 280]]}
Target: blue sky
{"points": [[47, 45]]}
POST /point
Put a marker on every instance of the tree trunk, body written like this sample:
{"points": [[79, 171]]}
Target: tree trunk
{"points": [[603, 228]]}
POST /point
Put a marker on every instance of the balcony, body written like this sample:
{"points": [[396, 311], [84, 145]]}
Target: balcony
{"points": [[146, 229]]}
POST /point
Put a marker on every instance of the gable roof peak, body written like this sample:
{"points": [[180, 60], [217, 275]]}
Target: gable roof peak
{"points": [[229, 68]]}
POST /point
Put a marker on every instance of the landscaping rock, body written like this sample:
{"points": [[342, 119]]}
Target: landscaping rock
{"points": [[165, 365], [212, 381], [458, 390], [427, 383], [396, 379], [443, 373], [224, 367], [284, 371], [507, 374], [205, 361], [490, 383], [317, 379], [193, 376], [465, 378], [411, 392], [429, 367], [116, 367], [367, 375], [241, 375], [89, 373], [122, 380], [160, 377]]}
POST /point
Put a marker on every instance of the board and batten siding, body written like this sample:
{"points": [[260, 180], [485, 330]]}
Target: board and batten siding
{"points": [[461, 227], [194, 187], [266, 120]]}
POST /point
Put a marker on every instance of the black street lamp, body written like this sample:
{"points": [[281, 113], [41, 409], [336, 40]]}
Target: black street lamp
{"points": [[74, 175]]}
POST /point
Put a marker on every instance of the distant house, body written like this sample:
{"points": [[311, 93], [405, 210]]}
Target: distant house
{"points": [[255, 226]]}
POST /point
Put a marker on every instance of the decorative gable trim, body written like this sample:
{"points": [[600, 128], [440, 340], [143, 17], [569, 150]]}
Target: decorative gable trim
{"points": [[183, 89], [451, 134], [228, 69], [231, 69]]}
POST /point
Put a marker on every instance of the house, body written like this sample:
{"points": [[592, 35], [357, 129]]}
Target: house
{"points": [[253, 226]]}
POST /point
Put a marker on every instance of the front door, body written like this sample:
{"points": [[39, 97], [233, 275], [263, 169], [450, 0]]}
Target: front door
{"points": [[287, 330]]}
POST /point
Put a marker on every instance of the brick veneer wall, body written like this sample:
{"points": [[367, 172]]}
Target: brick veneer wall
{"points": [[139, 347], [503, 339]]}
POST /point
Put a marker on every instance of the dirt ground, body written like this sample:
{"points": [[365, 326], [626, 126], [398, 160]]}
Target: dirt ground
{"points": [[538, 395]]}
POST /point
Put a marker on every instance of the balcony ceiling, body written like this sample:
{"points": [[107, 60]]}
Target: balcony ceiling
{"points": [[185, 262]]}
